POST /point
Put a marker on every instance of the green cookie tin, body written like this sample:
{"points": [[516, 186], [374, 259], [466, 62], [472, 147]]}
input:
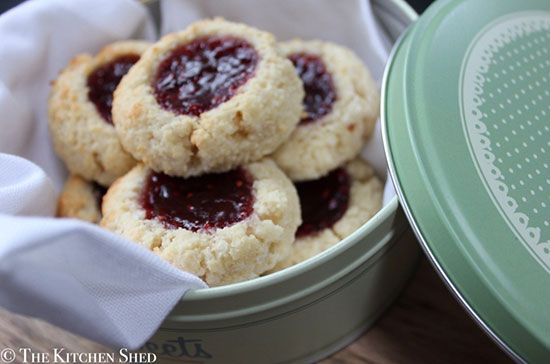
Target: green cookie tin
{"points": [[466, 126], [307, 311]]}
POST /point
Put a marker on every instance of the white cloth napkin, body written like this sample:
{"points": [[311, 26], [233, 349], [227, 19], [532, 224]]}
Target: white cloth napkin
{"points": [[74, 274], [70, 273]]}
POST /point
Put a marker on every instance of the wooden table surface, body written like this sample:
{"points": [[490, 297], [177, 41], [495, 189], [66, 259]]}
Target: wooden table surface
{"points": [[425, 325]]}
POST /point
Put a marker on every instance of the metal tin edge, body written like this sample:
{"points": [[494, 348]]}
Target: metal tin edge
{"points": [[408, 12], [408, 213], [362, 266]]}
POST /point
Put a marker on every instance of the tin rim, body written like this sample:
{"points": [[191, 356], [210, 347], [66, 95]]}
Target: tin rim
{"points": [[406, 209]]}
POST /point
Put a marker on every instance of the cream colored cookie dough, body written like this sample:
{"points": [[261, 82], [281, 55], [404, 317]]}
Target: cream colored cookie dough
{"points": [[80, 199], [250, 125], [88, 144], [227, 255], [317, 147], [364, 202]]}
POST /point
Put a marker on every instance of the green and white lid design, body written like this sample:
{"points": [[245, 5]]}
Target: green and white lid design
{"points": [[467, 133], [505, 108]]}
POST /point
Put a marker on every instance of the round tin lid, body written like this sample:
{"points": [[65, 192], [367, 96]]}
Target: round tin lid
{"points": [[466, 114]]}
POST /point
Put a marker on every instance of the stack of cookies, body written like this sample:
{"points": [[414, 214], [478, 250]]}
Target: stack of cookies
{"points": [[224, 152]]}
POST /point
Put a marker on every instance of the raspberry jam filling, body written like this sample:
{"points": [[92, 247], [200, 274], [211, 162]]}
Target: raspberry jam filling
{"points": [[103, 81], [98, 191], [211, 201], [324, 201], [204, 73], [320, 92]]}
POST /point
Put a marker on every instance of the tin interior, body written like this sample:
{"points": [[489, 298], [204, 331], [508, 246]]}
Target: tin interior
{"points": [[318, 306], [393, 17]]}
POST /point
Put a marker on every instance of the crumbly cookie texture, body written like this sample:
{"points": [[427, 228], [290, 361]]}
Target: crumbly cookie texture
{"points": [[79, 200], [250, 125], [365, 201], [87, 144], [316, 148], [231, 254]]}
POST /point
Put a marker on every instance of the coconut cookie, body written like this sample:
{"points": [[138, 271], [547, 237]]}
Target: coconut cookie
{"points": [[340, 109], [81, 199], [79, 110], [333, 207], [208, 99], [225, 228]]}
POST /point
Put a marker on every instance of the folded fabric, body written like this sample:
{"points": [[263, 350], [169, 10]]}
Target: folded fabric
{"points": [[70, 273], [74, 274]]}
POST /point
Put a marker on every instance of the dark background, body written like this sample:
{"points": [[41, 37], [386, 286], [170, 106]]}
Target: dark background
{"points": [[418, 5]]}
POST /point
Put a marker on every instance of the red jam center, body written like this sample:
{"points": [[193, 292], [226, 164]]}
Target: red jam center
{"points": [[204, 73], [320, 92], [210, 201], [98, 191], [103, 81], [324, 201]]}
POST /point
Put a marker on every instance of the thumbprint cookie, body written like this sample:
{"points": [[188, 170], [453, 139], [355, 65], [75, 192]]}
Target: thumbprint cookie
{"points": [[340, 109], [81, 199], [207, 99], [333, 207], [223, 227], [79, 108]]}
